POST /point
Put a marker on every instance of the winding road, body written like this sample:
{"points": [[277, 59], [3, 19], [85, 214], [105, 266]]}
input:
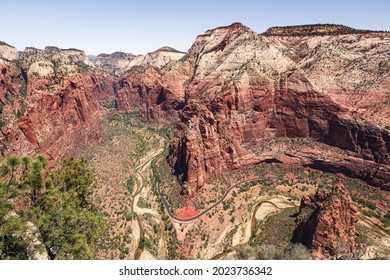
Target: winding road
{"points": [[172, 216], [166, 204]]}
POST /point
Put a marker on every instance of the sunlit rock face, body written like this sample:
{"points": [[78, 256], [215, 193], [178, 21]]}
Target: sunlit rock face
{"points": [[247, 89], [51, 101]]}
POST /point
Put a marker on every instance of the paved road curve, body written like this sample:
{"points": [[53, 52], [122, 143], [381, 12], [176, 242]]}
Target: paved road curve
{"points": [[166, 204]]}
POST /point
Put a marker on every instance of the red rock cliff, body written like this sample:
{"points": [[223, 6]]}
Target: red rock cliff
{"points": [[51, 102], [248, 89], [158, 94], [326, 224]]}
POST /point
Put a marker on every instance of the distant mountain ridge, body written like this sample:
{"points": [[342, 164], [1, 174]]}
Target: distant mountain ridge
{"points": [[119, 63], [315, 30]]}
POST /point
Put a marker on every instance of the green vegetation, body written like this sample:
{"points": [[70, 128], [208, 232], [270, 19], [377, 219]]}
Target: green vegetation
{"points": [[112, 105], [137, 69], [156, 229], [169, 185], [277, 229], [363, 202], [127, 140], [142, 203], [130, 184], [271, 239], [144, 243], [386, 219], [84, 68], [23, 92], [160, 172], [271, 252], [56, 202]]}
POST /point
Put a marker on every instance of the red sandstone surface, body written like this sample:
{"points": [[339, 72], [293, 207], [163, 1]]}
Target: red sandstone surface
{"points": [[247, 90], [49, 107], [186, 212], [327, 224]]}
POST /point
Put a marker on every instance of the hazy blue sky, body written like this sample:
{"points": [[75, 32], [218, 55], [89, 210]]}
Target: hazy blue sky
{"points": [[145, 25]]}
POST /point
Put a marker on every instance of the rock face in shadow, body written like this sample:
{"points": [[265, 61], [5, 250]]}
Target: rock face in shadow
{"points": [[326, 224]]}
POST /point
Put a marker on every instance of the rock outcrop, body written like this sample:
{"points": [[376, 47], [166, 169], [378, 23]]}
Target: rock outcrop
{"points": [[51, 102], [152, 84], [248, 89], [8, 52], [116, 63], [326, 224], [314, 30], [119, 63], [158, 94]]}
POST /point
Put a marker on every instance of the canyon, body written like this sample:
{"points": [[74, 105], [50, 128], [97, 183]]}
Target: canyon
{"points": [[314, 96]]}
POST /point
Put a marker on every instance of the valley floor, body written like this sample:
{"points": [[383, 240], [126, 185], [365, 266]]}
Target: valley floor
{"points": [[254, 221]]}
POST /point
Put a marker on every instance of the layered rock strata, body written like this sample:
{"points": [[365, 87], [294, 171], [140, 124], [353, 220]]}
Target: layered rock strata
{"points": [[247, 89], [51, 102]]}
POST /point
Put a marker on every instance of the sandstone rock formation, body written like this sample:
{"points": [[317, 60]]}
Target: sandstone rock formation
{"points": [[247, 89], [152, 84], [158, 58], [235, 92], [314, 30], [50, 102], [326, 224], [119, 63], [158, 94], [116, 63], [53, 100], [7, 52]]}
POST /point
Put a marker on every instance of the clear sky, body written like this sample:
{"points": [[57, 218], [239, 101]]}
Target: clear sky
{"points": [[142, 26]]}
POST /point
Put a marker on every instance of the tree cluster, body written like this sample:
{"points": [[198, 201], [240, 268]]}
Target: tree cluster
{"points": [[56, 203]]}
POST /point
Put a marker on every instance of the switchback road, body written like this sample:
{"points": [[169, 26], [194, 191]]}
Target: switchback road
{"points": [[172, 216]]}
